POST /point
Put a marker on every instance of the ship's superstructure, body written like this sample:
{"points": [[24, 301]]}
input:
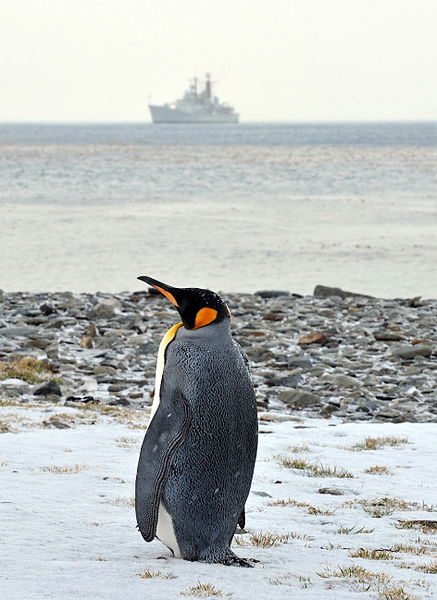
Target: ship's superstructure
{"points": [[195, 107]]}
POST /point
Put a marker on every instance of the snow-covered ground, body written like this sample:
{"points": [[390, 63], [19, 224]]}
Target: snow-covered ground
{"points": [[68, 526]]}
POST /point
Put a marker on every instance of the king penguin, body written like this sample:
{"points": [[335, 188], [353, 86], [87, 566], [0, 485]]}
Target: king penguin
{"points": [[197, 459]]}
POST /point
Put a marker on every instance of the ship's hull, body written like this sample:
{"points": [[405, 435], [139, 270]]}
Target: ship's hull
{"points": [[166, 114]]}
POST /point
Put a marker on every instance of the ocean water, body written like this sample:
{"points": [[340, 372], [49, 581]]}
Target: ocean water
{"points": [[234, 207]]}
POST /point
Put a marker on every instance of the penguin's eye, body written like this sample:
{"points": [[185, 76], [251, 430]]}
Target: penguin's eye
{"points": [[205, 316]]}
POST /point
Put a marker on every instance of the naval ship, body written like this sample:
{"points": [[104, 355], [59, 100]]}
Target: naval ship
{"points": [[195, 106]]}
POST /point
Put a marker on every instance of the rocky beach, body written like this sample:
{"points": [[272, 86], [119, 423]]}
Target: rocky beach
{"points": [[334, 354], [342, 500]]}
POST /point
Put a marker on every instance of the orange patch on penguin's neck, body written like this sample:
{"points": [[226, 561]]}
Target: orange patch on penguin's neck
{"points": [[205, 316]]}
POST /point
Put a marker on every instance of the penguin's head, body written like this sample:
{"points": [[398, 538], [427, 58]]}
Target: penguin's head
{"points": [[197, 307]]}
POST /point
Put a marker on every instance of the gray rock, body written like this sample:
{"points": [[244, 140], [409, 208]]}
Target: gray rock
{"points": [[410, 351], [107, 307], [389, 414], [332, 491], [328, 410], [47, 309], [117, 387], [107, 341], [17, 386], [299, 398], [290, 381], [51, 388], [301, 363], [324, 291], [11, 332], [120, 402], [104, 370], [272, 293], [343, 380]]}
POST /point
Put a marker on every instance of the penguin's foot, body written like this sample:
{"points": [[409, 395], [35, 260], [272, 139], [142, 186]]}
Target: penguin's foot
{"points": [[228, 558], [236, 561]]}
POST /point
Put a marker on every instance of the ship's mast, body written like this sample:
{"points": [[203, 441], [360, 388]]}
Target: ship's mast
{"points": [[208, 86]]}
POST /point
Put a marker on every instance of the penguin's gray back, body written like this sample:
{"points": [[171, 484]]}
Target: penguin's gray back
{"points": [[211, 472]]}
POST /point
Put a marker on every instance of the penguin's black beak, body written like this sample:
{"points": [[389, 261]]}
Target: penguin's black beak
{"points": [[167, 290]]}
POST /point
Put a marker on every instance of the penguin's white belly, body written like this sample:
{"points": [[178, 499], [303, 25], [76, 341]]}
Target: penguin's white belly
{"points": [[165, 531]]}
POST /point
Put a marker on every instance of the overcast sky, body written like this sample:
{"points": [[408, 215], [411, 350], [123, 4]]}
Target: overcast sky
{"points": [[274, 60]]}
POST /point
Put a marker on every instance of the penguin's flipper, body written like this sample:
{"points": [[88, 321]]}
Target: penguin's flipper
{"points": [[165, 434]]}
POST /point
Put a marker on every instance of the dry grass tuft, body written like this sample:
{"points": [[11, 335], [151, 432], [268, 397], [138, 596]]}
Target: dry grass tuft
{"points": [[149, 574], [121, 501], [203, 590], [422, 524], [425, 542], [264, 539], [313, 470], [14, 423], [381, 507], [378, 470], [26, 368], [312, 510], [353, 530], [65, 469], [357, 574], [363, 580], [300, 448], [5, 427], [126, 442], [284, 580], [431, 568], [416, 550], [11, 402], [377, 554], [134, 419], [395, 593], [375, 443]]}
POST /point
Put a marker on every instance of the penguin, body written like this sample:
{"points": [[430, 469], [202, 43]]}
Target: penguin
{"points": [[198, 455]]}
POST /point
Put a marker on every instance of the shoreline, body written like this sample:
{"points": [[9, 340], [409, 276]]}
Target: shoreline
{"points": [[343, 355]]}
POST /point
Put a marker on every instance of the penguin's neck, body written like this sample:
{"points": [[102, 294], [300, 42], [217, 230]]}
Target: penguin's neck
{"points": [[215, 333]]}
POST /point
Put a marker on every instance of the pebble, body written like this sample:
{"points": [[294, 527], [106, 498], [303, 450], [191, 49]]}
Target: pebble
{"points": [[315, 337], [377, 362]]}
